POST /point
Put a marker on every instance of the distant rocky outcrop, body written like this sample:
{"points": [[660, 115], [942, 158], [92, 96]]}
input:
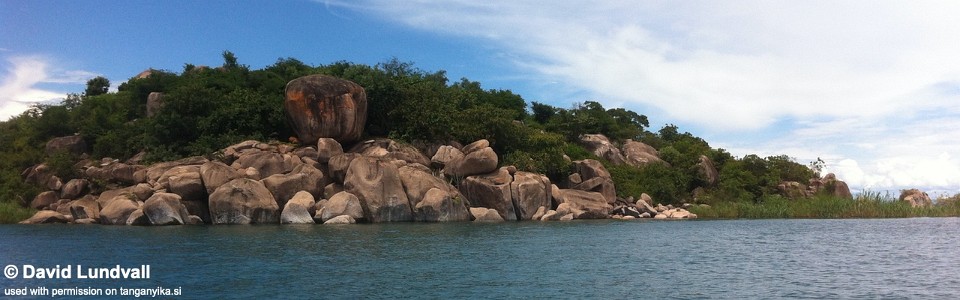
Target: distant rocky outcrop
{"points": [[916, 198], [601, 146], [638, 154], [319, 106], [828, 185], [707, 171]]}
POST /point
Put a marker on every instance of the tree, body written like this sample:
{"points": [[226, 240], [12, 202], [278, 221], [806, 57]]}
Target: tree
{"points": [[97, 86], [542, 113], [230, 60]]}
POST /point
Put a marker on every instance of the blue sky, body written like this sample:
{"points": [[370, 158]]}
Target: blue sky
{"points": [[872, 87]]}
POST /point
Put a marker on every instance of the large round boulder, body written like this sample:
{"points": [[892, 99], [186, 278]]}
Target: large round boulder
{"points": [[320, 106], [638, 154], [297, 210], [44, 199], [243, 201], [601, 146], [118, 210], [342, 203], [442, 206], [165, 209], [478, 158]]}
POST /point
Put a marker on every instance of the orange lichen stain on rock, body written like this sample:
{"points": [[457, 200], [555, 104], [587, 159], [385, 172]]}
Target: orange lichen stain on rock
{"points": [[296, 102], [347, 102]]}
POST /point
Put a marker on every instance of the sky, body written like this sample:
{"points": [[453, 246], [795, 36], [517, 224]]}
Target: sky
{"points": [[871, 87]]}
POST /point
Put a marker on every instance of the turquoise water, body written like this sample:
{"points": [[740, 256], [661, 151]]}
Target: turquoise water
{"points": [[895, 258]]}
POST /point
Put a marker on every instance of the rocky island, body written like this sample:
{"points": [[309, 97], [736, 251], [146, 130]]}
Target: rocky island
{"points": [[552, 165], [378, 180]]}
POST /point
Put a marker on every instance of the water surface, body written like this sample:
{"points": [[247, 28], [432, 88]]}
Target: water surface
{"points": [[734, 259]]}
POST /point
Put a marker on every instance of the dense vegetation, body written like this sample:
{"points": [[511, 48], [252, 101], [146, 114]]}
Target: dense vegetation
{"points": [[207, 109]]}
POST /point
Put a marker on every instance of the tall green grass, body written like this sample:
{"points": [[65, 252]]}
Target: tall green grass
{"points": [[11, 213], [867, 205]]}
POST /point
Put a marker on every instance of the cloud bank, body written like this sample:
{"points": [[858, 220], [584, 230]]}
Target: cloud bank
{"points": [[870, 86], [19, 83]]}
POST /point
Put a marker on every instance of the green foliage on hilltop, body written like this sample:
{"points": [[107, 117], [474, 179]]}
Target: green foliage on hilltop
{"points": [[206, 109]]}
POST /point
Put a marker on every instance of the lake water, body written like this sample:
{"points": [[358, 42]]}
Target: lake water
{"points": [[735, 259]]}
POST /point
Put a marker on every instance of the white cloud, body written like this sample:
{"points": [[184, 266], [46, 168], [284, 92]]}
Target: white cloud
{"points": [[18, 84], [870, 86]]}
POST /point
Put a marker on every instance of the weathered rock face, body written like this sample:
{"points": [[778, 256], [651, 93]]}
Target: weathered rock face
{"points": [[793, 190], [387, 149], [118, 210], [45, 217], [916, 198], [835, 187], [85, 208], [73, 144], [342, 203], [319, 106], [75, 188], [530, 192], [638, 154], [377, 184], [707, 171], [601, 146], [344, 219], [440, 206], [595, 178], [297, 210], [302, 178], [137, 218], [491, 191], [266, 162], [188, 185], [445, 154], [483, 214], [44, 199], [165, 209], [327, 148], [153, 173], [478, 158], [154, 103], [339, 164], [115, 172], [243, 201], [215, 173], [417, 180], [590, 205]]}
